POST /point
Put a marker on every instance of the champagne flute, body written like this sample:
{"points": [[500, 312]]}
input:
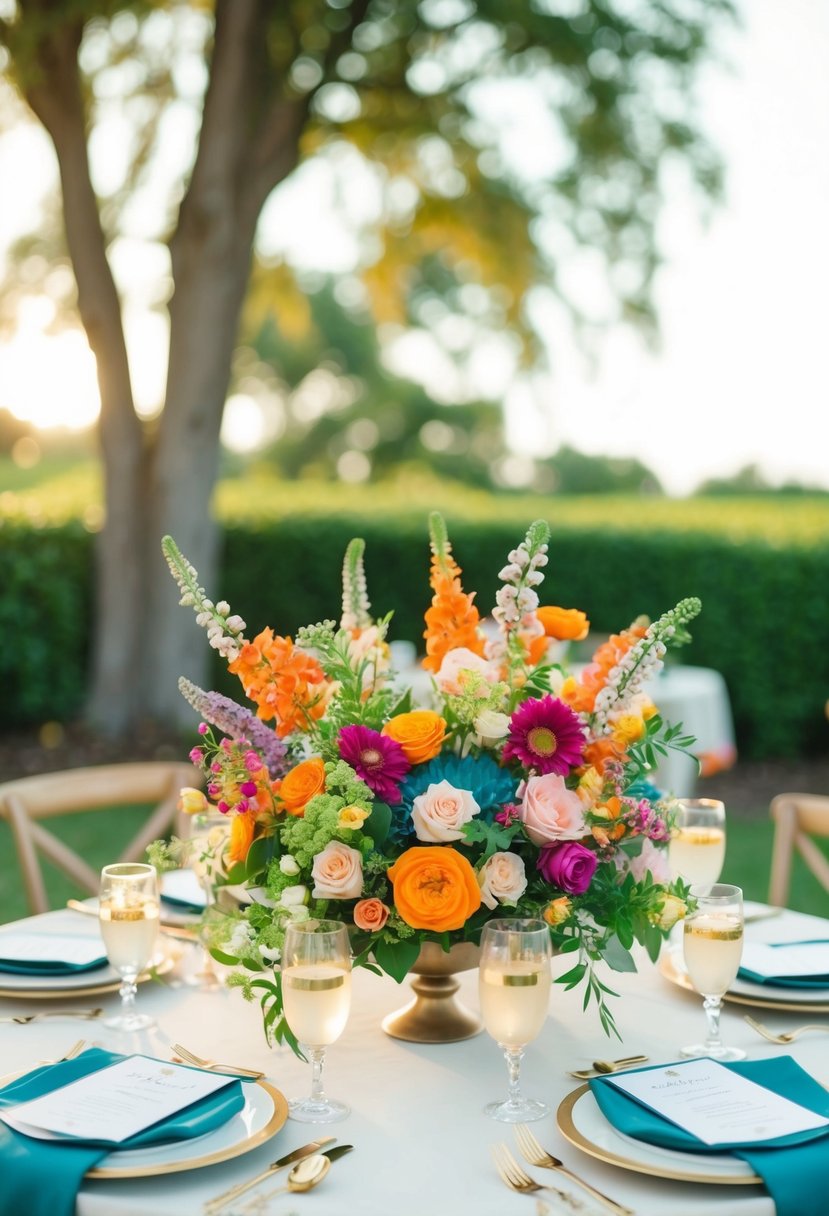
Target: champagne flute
{"points": [[128, 913], [696, 850], [316, 998], [713, 944], [514, 987], [209, 834]]}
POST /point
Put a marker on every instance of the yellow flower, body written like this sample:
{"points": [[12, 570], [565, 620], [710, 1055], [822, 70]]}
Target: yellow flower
{"points": [[628, 728], [352, 817], [191, 801], [668, 911], [590, 786], [557, 911]]}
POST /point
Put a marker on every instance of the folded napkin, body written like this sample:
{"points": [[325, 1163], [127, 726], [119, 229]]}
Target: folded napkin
{"points": [[49, 966], [759, 964], [181, 889], [794, 1168], [43, 1177]]}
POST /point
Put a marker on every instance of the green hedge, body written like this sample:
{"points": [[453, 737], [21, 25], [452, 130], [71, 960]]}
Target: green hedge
{"points": [[762, 624]]}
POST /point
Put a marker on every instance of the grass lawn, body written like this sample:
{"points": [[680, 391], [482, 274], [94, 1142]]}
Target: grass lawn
{"points": [[99, 838]]}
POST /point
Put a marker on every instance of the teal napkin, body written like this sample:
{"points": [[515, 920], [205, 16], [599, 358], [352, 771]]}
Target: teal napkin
{"points": [[182, 905], [794, 1168], [788, 981], [43, 1177], [50, 966]]}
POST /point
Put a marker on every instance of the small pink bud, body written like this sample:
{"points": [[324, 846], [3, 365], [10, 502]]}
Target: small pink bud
{"points": [[223, 806], [203, 728], [248, 788]]}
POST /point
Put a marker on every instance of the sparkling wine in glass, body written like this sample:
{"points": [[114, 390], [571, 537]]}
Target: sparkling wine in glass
{"points": [[514, 988], [128, 911], [713, 946], [209, 835], [316, 999], [696, 850]]}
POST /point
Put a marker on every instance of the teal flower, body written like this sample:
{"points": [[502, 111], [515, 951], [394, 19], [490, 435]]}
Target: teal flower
{"points": [[489, 784]]}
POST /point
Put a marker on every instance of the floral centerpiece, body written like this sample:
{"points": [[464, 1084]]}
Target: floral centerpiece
{"points": [[517, 790]]}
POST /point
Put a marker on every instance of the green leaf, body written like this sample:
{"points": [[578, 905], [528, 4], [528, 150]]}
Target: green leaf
{"points": [[616, 956], [573, 977], [378, 823], [259, 854], [397, 958], [236, 874]]}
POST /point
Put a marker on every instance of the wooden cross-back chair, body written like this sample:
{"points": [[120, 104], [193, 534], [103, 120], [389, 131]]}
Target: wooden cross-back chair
{"points": [[26, 802], [797, 818]]}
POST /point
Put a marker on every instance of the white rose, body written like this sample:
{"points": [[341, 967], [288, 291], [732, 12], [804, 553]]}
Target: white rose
{"points": [[502, 879], [338, 872], [288, 864], [439, 814], [490, 726], [292, 896]]}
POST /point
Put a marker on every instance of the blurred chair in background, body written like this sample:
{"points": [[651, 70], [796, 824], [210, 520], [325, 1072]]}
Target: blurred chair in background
{"points": [[27, 801], [797, 818]]}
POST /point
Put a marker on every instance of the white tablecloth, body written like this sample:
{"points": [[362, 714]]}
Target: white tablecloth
{"points": [[422, 1141]]}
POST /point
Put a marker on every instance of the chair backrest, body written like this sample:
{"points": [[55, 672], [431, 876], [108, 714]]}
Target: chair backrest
{"points": [[797, 817], [26, 802]]}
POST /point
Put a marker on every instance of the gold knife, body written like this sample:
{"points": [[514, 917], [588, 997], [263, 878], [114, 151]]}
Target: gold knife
{"points": [[297, 1154]]}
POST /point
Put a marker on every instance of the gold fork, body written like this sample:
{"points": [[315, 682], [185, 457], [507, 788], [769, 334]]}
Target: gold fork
{"points": [[532, 1151], [517, 1180], [189, 1057], [788, 1036]]}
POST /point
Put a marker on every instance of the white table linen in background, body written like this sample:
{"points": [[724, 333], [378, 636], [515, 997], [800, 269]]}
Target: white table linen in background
{"points": [[421, 1139]]}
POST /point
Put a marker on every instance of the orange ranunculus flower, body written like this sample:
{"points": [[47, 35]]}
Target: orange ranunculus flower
{"points": [[434, 888], [241, 836], [420, 733], [610, 810], [564, 624], [301, 784]]}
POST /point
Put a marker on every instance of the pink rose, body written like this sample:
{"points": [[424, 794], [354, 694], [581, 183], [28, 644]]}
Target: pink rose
{"points": [[370, 915], [337, 872], [549, 811], [439, 814], [650, 859], [455, 661], [502, 879]]}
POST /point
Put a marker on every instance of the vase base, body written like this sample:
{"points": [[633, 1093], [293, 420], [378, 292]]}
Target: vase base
{"points": [[434, 1016]]}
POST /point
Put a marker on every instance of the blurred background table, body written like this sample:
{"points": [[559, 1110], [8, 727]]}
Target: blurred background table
{"points": [[698, 698]]}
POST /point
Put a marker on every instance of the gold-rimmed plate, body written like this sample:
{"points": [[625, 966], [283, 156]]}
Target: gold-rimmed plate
{"points": [[796, 1000], [582, 1123], [263, 1115], [49, 987]]}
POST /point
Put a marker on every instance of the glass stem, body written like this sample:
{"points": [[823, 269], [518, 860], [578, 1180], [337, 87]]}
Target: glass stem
{"points": [[317, 1058], [713, 1008], [127, 993], [513, 1057]]}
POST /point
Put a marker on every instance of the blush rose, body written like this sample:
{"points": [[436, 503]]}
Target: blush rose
{"points": [[440, 812], [337, 872], [502, 879], [549, 811], [370, 915]]}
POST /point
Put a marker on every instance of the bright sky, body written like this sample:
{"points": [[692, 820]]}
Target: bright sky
{"points": [[741, 376]]}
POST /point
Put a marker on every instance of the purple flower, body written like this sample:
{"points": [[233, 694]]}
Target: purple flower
{"points": [[545, 735], [376, 759], [568, 865], [508, 814], [237, 722]]}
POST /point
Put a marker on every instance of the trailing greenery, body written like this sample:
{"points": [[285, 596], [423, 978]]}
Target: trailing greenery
{"points": [[759, 565]]}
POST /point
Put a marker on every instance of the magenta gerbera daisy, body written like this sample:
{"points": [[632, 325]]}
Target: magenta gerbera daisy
{"points": [[545, 735], [376, 759]]}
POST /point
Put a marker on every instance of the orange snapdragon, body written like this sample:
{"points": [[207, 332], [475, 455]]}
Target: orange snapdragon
{"points": [[283, 681], [452, 619]]}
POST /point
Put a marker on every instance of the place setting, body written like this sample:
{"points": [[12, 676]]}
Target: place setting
{"points": [[711, 1115]]}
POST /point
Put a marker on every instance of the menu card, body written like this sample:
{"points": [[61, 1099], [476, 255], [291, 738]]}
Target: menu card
{"points": [[114, 1103], [76, 951], [715, 1104], [792, 960]]}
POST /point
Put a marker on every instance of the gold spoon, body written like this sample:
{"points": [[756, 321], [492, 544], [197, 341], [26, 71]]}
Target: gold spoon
{"points": [[603, 1067], [305, 1175]]}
